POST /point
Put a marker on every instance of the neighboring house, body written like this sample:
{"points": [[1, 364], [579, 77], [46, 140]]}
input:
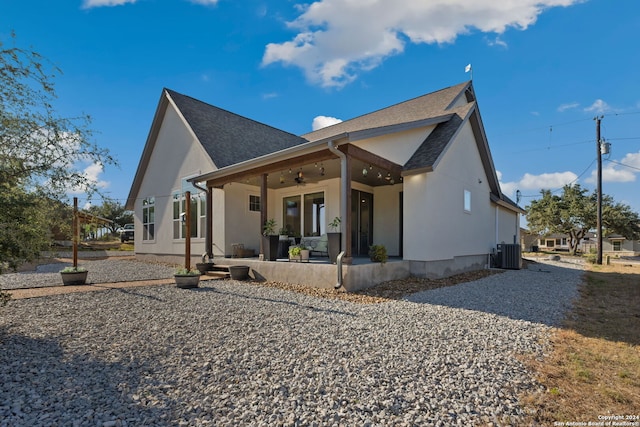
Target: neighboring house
{"points": [[555, 242], [620, 246], [417, 177]]}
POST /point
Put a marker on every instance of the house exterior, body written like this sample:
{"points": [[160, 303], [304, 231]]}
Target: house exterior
{"points": [[416, 177], [556, 242], [618, 245]]}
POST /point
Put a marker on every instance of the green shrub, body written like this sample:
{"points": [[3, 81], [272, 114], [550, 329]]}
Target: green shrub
{"points": [[378, 253]]}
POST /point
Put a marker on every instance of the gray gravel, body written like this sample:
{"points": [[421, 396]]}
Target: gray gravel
{"points": [[231, 353], [100, 271]]}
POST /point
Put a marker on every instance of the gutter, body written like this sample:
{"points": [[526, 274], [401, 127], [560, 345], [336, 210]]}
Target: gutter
{"points": [[343, 203]]}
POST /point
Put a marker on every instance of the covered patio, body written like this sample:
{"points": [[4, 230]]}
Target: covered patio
{"points": [[323, 179]]}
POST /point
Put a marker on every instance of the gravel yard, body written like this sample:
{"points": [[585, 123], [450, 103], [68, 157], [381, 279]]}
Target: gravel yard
{"points": [[232, 353]]}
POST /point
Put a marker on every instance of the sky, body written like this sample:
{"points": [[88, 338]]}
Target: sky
{"points": [[542, 71]]}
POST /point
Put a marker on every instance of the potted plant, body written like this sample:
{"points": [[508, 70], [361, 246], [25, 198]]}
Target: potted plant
{"points": [[74, 276], [334, 239], [205, 265], [378, 253], [270, 240], [186, 278], [298, 254]]}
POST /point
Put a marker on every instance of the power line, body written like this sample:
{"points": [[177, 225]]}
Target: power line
{"points": [[622, 164]]}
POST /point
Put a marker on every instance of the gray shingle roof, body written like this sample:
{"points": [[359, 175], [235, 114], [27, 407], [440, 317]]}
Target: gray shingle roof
{"points": [[432, 105], [227, 137], [431, 149]]}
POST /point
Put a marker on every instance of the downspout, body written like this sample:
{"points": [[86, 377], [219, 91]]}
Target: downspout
{"points": [[343, 206], [207, 255]]}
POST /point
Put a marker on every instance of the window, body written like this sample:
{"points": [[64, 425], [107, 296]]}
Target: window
{"points": [[467, 201], [304, 214], [254, 203], [148, 218], [617, 245], [551, 243], [314, 217], [564, 241], [291, 213], [198, 214]]}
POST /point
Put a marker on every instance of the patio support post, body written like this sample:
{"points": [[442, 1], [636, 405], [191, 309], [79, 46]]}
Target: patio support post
{"points": [[187, 238], [208, 240], [346, 211], [263, 208], [345, 201]]}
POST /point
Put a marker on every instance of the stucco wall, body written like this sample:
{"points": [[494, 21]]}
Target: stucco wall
{"points": [[386, 217], [397, 147], [436, 225], [508, 226], [176, 155]]}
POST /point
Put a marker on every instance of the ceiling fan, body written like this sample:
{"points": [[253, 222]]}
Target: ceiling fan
{"points": [[299, 179]]}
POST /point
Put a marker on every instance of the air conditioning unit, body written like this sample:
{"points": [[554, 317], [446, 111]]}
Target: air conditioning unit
{"points": [[509, 256]]}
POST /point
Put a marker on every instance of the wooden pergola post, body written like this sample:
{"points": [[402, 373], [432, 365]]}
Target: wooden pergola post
{"points": [[187, 240], [76, 232]]}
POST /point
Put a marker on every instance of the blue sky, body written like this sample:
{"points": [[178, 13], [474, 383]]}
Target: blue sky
{"points": [[542, 70]]}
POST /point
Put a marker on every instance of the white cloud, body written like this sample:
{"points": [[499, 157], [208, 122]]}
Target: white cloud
{"points": [[534, 183], [598, 107], [336, 39], [87, 4], [564, 107], [205, 2], [99, 3], [320, 122], [270, 95], [617, 172], [632, 159], [92, 173]]}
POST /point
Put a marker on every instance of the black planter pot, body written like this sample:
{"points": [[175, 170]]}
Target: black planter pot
{"points": [[74, 278], [270, 247], [187, 281], [334, 245], [239, 272], [203, 267]]}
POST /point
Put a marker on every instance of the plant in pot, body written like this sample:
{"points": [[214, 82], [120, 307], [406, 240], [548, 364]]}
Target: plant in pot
{"points": [[186, 278], [74, 276], [298, 254], [270, 240], [334, 239], [205, 265], [378, 253]]}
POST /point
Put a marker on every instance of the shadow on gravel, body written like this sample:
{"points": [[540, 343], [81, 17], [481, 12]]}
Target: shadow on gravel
{"points": [[541, 294], [42, 384], [128, 291], [278, 301]]}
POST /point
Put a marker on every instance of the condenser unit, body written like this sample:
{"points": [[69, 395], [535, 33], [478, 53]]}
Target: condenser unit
{"points": [[509, 256]]}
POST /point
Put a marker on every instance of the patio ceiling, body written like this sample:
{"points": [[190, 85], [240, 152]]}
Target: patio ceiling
{"points": [[366, 168]]}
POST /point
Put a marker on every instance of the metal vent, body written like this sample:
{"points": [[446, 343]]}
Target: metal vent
{"points": [[509, 256]]}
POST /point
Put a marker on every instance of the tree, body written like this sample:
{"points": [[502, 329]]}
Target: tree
{"points": [[113, 210], [41, 154], [574, 213]]}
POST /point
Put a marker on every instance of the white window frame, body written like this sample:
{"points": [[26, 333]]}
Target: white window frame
{"points": [[149, 219], [466, 203]]}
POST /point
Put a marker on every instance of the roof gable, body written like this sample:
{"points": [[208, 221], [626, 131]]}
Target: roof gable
{"points": [[229, 138]]}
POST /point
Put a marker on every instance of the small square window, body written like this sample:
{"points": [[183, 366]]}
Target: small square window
{"points": [[254, 203]]}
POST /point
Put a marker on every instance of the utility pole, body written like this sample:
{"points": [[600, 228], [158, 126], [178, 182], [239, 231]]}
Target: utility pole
{"points": [[599, 190]]}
